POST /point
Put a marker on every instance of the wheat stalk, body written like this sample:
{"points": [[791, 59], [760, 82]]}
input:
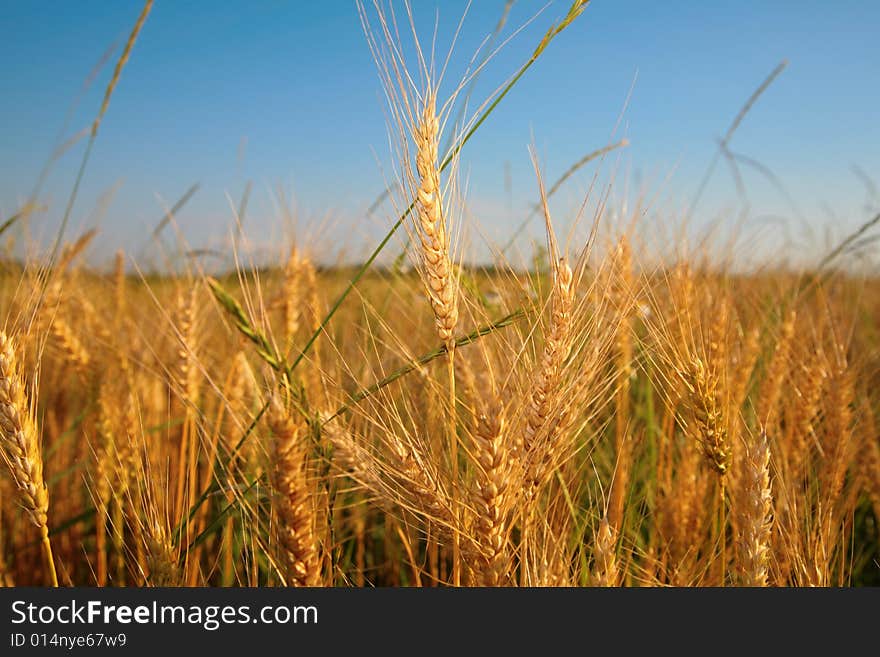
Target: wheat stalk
{"points": [[438, 270]]}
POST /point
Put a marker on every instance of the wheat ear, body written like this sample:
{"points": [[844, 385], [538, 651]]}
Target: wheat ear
{"points": [[754, 503], [605, 572], [21, 448], [556, 350], [74, 349], [622, 287], [557, 345], [123, 59], [291, 299], [490, 493], [703, 383], [433, 235], [808, 402], [161, 560], [294, 500], [104, 455], [777, 369]]}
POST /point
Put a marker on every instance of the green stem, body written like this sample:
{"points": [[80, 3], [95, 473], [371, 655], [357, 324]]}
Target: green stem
{"points": [[424, 360]]}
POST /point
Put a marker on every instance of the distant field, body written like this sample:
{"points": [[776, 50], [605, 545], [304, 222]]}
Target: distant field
{"points": [[684, 427]]}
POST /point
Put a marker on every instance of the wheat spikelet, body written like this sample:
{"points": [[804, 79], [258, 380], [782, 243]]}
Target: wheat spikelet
{"points": [[294, 500], [753, 508]]}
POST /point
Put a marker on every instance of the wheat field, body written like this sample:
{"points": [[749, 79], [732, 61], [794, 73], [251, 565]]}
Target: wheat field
{"points": [[593, 416]]}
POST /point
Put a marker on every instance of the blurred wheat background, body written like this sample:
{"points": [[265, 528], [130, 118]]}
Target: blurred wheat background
{"points": [[620, 407]]}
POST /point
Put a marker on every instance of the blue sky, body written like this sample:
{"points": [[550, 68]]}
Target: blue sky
{"points": [[285, 94]]}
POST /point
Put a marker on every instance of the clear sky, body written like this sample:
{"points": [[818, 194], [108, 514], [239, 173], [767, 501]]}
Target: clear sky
{"points": [[285, 94]]}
